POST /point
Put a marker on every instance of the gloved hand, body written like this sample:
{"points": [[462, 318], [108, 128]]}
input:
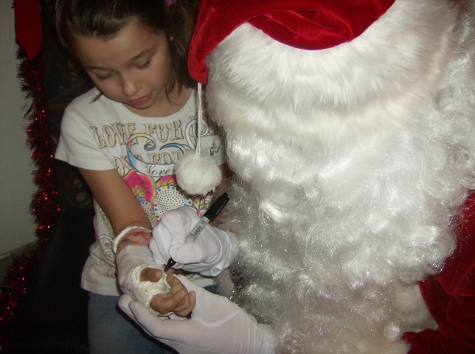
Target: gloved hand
{"points": [[211, 252], [217, 325]]}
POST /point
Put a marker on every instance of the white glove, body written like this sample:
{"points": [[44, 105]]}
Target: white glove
{"points": [[217, 325], [211, 252]]}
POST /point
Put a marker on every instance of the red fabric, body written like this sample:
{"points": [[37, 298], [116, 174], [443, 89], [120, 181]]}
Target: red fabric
{"points": [[28, 28], [450, 296], [305, 24]]}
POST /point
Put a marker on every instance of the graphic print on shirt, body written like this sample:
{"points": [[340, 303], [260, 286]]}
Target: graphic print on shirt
{"points": [[106, 242], [148, 169]]}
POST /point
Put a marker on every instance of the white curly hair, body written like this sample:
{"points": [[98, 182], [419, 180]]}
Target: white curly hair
{"points": [[349, 164]]}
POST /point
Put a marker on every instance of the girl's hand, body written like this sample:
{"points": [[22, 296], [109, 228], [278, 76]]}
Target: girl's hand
{"points": [[178, 300]]}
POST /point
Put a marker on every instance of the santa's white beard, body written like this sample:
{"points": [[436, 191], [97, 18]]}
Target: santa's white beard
{"points": [[349, 163]]}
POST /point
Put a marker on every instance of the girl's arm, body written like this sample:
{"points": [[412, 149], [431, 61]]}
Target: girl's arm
{"points": [[119, 202], [123, 210], [116, 199]]}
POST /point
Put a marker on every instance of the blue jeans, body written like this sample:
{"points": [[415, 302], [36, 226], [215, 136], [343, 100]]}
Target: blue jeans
{"points": [[112, 332]]}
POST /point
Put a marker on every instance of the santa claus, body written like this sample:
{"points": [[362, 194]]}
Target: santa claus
{"points": [[350, 127]]}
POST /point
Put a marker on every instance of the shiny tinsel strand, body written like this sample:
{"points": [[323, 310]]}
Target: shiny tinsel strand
{"points": [[45, 203]]}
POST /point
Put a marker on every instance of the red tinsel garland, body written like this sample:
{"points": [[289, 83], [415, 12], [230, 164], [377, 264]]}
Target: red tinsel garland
{"points": [[45, 203]]}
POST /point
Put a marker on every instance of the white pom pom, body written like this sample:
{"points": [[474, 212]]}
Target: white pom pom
{"points": [[197, 174]]}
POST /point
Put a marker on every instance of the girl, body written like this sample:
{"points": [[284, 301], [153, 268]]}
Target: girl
{"points": [[125, 136]]}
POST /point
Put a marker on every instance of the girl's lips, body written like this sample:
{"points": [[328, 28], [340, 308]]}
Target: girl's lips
{"points": [[140, 101]]}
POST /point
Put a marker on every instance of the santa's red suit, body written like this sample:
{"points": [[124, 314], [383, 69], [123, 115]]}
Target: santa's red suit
{"points": [[450, 296]]}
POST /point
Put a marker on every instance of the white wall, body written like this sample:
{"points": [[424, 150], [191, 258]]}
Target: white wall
{"points": [[17, 226]]}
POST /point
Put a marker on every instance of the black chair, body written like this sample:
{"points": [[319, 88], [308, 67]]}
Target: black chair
{"points": [[52, 317]]}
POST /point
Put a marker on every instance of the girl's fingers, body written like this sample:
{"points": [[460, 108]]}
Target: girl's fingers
{"points": [[178, 300], [165, 303], [151, 274], [175, 283], [187, 306], [186, 309]]}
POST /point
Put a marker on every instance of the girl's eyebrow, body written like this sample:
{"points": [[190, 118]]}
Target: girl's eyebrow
{"points": [[146, 51], [131, 60], [138, 56], [92, 67]]}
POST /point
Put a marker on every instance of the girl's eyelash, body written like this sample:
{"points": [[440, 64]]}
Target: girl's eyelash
{"points": [[102, 78], [140, 67], [144, 66]]}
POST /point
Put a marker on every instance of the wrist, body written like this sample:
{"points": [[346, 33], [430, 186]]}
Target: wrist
{"points": [[137, 235]]}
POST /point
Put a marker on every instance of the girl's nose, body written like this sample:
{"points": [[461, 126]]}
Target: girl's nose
{"points": [[130, 86]]}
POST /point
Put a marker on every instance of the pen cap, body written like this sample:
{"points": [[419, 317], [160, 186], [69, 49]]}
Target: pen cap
{"points": [[217, 206]]}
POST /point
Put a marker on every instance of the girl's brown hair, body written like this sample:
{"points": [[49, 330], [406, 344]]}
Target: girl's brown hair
{"points": [[105, 18]]}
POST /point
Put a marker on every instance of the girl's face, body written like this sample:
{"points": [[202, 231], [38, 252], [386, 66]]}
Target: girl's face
{"points": [[132, 67]]}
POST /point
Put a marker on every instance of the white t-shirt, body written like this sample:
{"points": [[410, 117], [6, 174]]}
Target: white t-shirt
{"points": [[100, 134]]}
